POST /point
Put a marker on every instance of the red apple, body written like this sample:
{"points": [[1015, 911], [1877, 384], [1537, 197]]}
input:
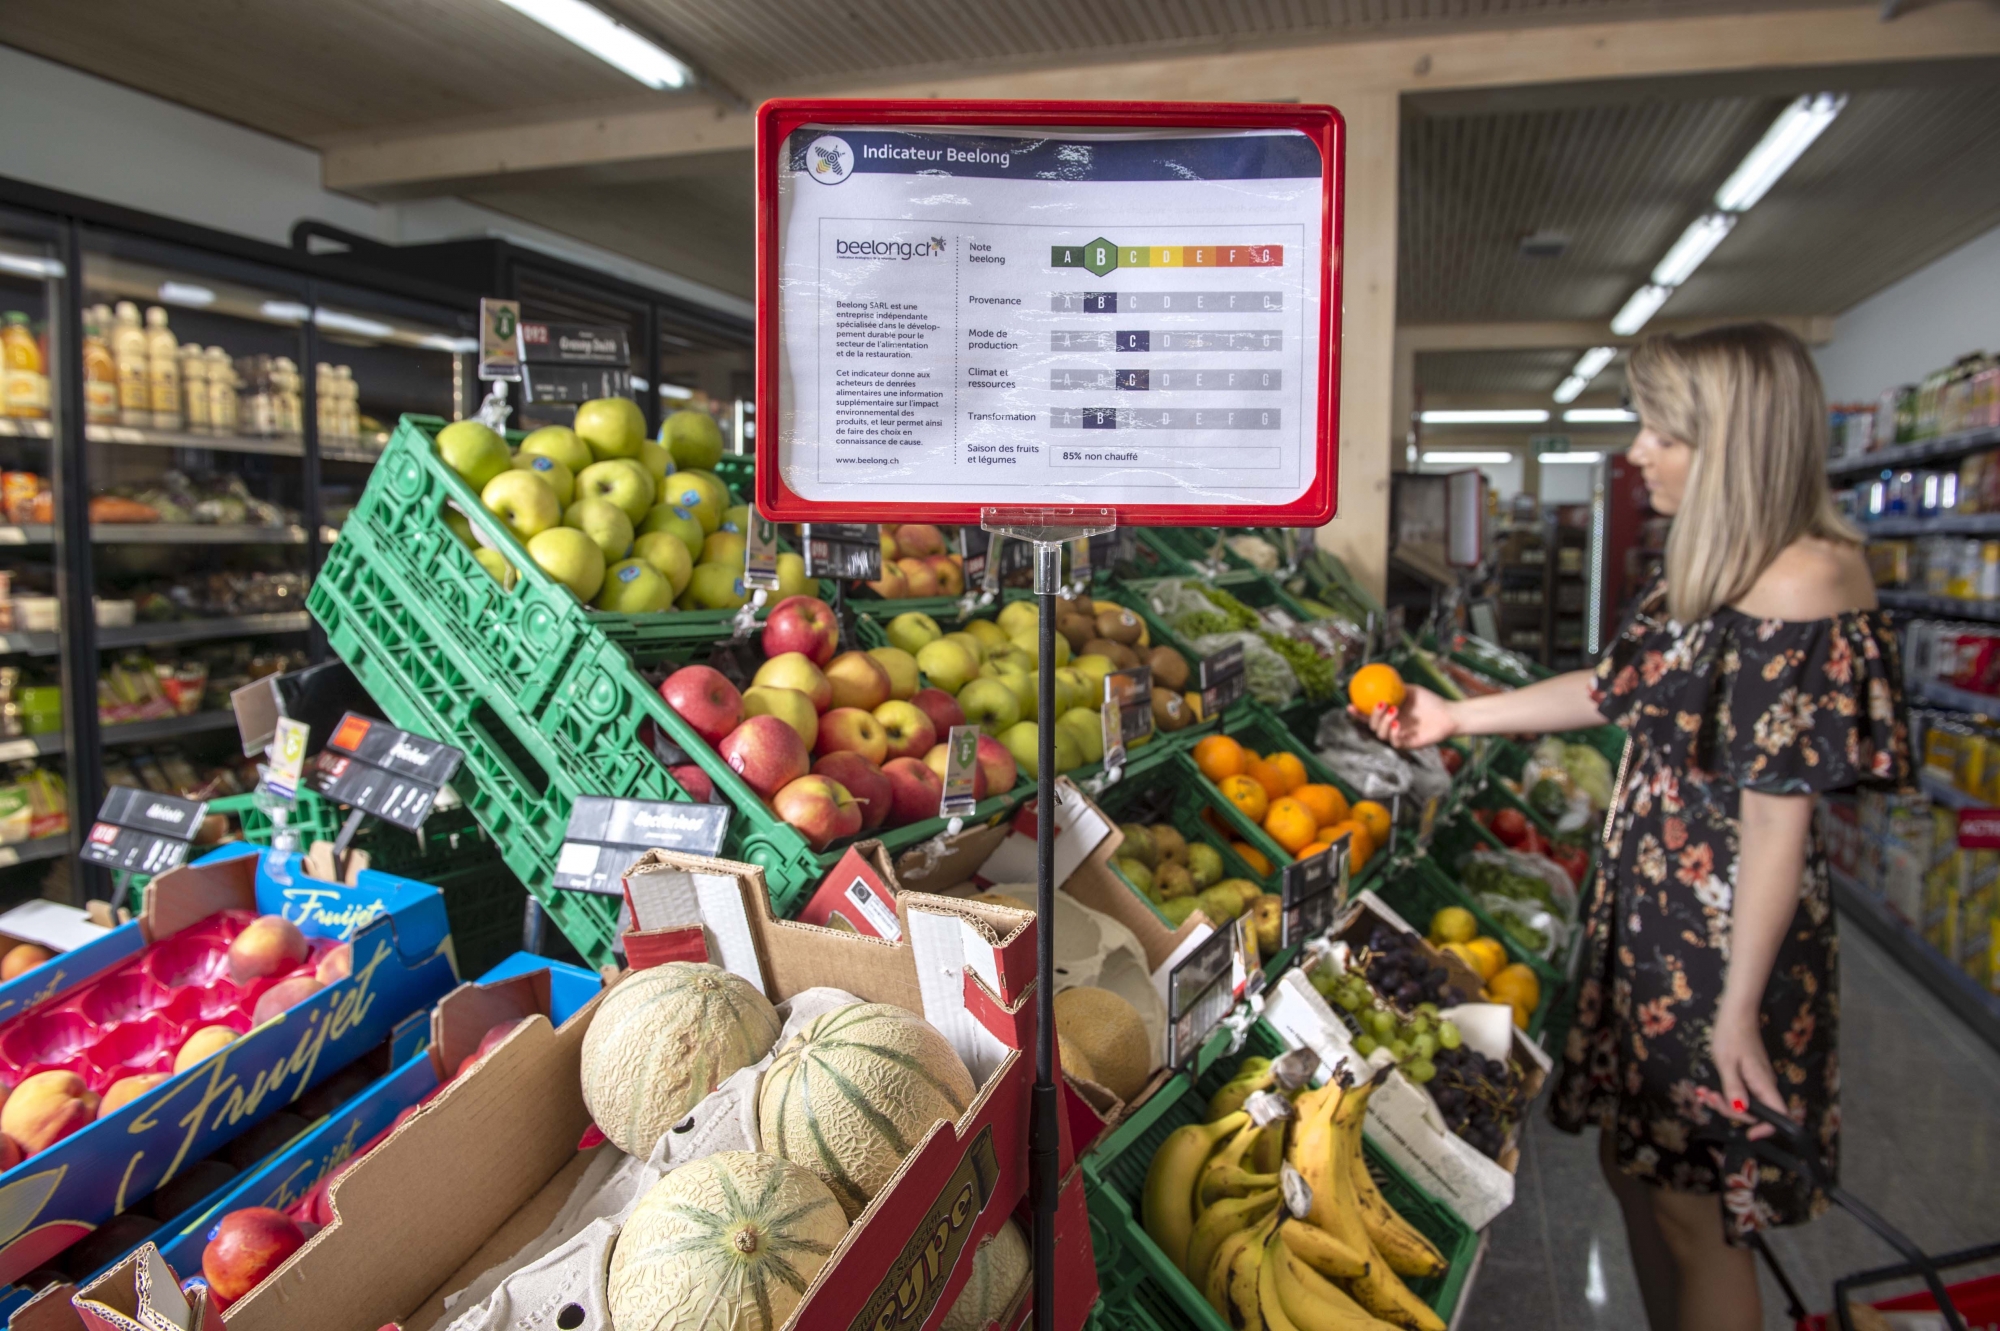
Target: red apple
{"points": [[802, 624], [950, 577], [864, 781], [921, 577], [795, 670], [914, 791], [248, 1245], [935, 760], [909, 731], [766, 753], [858, 680], [941, 708], [892, 585], [820, 808], [851, 730], [694, 781], [704, 698], [919, 539], [998, 764]]}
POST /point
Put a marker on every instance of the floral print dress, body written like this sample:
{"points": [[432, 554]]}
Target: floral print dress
{"points": [[1734, 703]]}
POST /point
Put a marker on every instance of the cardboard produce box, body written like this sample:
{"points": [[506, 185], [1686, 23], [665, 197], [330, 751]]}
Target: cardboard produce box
{"points": [[480, 1170], [81, 948], [103, 1027]]}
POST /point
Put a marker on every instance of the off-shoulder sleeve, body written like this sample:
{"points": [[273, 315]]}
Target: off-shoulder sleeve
{"points": [[1614, 686], [1815, 705]]}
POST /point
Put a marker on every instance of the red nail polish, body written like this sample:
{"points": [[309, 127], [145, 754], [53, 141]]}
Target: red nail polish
{"points": [[1738, 1106]]}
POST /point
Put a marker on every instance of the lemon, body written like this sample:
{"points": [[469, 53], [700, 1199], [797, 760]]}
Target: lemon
{"points": [[1454, 924]]}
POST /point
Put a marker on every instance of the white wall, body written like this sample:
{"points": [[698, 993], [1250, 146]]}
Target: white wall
{"points": [[1927, 320], [74, 132]]}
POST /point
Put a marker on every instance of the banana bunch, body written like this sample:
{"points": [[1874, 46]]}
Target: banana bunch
{"points": [[1268, 1254]]}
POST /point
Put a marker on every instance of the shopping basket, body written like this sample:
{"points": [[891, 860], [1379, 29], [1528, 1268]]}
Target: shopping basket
{"points": [[1974, 1303]]}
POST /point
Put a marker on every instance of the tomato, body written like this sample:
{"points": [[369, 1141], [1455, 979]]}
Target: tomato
{"points": [[1452, 759], [1532, 843], [1575, 862], [1511, 826]]}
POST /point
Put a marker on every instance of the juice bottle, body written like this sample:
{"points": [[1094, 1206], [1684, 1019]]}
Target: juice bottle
{"points": [[221, 391], [194, 387], [163, 371], [100, 372], [23, 387], [128, 350]]}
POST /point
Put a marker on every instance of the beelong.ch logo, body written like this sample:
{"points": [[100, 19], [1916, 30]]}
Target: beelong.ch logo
{"points": [[829, 159], [889, 249]]}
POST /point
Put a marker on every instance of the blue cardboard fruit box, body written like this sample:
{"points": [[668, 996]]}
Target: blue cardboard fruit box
{"points": [[401, 966]]}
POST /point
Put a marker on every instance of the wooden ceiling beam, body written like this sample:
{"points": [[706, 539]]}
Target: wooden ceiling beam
{"points": [[441, 159]]}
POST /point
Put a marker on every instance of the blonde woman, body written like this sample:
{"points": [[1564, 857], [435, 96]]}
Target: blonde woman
{"points": [[1754, 676]]}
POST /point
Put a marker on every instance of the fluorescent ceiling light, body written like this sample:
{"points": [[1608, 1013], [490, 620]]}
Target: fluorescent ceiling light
{"points": [[641, 384], [1592, 362], [1504, 416], [1599, 416], [1569, 389], [186, 293], [1643, 305], [676, 392], [1789, 136], [1556, 459], [1466, 459], [351, 323], [458, 346], [607, 39], [29, 266], [1696, 243], [285, 311]]}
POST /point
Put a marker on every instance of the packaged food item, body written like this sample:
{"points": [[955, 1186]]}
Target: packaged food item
{"points": [[128, 350], [24, 385], [100, 371], [222, 386], [163, 371], [1972, 484], [18, 490], [194, 387]]}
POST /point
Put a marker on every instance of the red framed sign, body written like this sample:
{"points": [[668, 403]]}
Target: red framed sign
{"points": [[970, 306]]}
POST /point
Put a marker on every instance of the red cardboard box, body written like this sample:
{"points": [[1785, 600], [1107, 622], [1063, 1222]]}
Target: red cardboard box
{"points": [[858, 895], [479, 1170]]}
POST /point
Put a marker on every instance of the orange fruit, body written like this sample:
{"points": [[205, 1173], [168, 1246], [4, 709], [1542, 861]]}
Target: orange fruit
{"points": [[1315, 848], [1328, 805], [1268, 775], [1375, 686], [1291, 768], [1247, 795], [1219, 756], [1516, 984], [1360, 847], [1489, 957], [1253, 857], [1375, 818], [1290, 824]]}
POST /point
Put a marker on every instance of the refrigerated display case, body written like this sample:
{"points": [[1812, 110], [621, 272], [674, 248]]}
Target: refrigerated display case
{"points": [[1628, 546]]}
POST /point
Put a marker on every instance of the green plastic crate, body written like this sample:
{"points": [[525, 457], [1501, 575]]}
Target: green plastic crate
{"points": [[1139, 1289], [738, 471]]}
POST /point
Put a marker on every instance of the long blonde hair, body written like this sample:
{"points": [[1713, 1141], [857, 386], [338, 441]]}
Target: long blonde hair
{"points": [[1748, 401]]}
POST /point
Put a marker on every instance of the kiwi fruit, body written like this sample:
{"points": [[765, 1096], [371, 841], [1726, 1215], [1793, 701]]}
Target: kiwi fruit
{"points": [[1169, 843], [1170, 712], [1078, 628], [1170, 668], [1116, 652], [1119, 625]]}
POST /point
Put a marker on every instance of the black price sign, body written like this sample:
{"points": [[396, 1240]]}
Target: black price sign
{"points": [[1201, 990], [1108, 549], [574, 362], [1132, 691], [973, 547], [372, 766], [1312, 890], [842, 550], [141, 832], [1223, 680], [606, 835]]}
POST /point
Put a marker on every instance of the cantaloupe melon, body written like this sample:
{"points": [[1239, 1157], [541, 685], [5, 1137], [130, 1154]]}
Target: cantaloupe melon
{"points": [[1111, 1035], [661, 1040], [728, 1242], [1000, 1267], [855, 1091], [1074, 1061]]}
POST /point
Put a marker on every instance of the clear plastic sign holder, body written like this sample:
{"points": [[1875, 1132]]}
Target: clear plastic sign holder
{"points": [[1046, 531], [760, 571]]}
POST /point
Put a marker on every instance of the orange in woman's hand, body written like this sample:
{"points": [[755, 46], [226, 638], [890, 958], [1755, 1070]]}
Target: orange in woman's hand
{"points": [[1247, 795], [1328, 805], [1219, 756], [1291, 824], [1375, 686]]}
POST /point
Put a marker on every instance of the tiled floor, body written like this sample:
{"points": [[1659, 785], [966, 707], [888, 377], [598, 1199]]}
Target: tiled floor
{"points": [[1920, 1143]]}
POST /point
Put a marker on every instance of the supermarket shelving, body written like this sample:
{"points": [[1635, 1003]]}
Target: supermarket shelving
{"points": [[1957, 699], [1942, 791], [1978, 1007], [161, 533], [1947, 607], [131, 732], [28, 852], [1940, 449], [1943, 524], [179, 630]]}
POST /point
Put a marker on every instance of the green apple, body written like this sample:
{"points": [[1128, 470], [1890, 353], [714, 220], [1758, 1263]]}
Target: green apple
{"points": [[1024, 741], [659, 463], [620, 480], [1013, 655], [792, 579], [1031, 643], [736, 518], [461, 527], [571, 558], [913, 631], [714, 587], [1014, 678], [1019, 617], [661, 517], [723, 547], [1085, 729], [693, 437], [473, 451], [524, 501], [990, 704], [988, 633], [1068, 756], [664, 551], [605, 523], [696, 495], [1072, 690], [1094, 668], [634, 587], [613, 427], [902, 668], [496, 563], [559, 443], [560, 478], [973, 647], [946, 665]]}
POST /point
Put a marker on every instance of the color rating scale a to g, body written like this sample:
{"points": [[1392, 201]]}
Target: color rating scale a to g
{"points": [[1100, 256]]}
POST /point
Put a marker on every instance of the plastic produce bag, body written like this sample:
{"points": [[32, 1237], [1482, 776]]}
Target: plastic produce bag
{"points": [[1528, 923], [1510, 873], [1267, 675], [1364, 762]]}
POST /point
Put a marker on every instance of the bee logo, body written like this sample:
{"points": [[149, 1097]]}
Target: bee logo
{"points": [[829, 159], [937, 244]]}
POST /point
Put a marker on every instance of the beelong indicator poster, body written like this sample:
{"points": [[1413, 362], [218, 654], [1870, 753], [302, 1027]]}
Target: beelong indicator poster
{"points": [[974, 316]]}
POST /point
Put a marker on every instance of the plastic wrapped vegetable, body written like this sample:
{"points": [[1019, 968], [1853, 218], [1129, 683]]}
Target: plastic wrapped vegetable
{"points": [[1265, 673], [1590, 772], [1531, 925], [1511, 874]]}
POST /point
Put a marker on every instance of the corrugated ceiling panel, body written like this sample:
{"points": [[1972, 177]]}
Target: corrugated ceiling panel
{"points": [[1497, 373]]}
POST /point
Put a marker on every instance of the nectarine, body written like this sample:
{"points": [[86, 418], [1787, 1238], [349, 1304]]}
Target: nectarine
{"points": [[127, 1089], [284, 994], [270, 945], [22, 959], [46, 1108], [248, 1245], [201, 1044]]}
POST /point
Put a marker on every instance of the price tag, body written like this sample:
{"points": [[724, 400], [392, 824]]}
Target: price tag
{"points": [[1111, 548], [760, 553], [141, 832], [1201, 990], [606, 835], [288, 757], [842, 550], [1278, 620], [390, 773], [1112, 721], [499, 338], [1223, 680], [961, 773], [973, 544], [574, 362], [1079, 562], [1131, 691], [1311, 889]]}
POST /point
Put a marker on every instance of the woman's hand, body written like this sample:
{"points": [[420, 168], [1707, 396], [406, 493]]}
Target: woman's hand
{"points": [[1422, 720], [1744, 1069]]}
